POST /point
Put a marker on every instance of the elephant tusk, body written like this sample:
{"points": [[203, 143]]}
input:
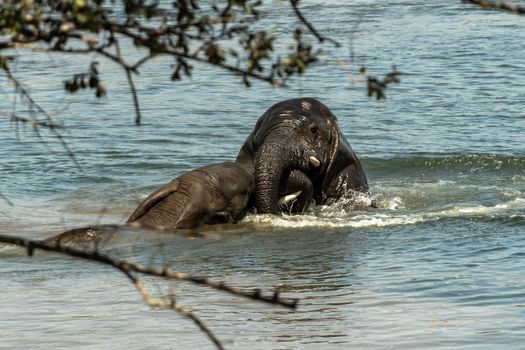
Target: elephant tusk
{"points": [[315, 161], [288, 198]]}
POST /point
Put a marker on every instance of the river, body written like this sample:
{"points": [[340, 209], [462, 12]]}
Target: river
{"points": [[440, 263]]}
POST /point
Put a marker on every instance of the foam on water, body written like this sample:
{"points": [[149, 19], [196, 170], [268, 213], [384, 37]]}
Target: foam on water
{"points": [[335, 217]]}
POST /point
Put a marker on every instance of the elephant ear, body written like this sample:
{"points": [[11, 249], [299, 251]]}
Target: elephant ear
{"points": [[345, 173], [253, 141], [153, 199], [247, 152]]}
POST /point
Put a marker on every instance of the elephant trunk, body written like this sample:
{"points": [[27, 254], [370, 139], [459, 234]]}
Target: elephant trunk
{"points": [[273, 162]]}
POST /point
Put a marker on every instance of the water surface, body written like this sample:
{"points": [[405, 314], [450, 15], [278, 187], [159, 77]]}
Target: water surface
{"points": [[438, 265]]}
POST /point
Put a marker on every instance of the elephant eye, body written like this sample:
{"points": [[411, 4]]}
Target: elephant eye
{"points": [[314, 129]]}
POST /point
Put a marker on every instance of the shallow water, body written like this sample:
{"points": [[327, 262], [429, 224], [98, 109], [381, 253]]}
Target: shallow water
{"points": [[438, 265]]}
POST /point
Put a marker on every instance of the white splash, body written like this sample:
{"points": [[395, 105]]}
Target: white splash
{"points": [[336, 217]]}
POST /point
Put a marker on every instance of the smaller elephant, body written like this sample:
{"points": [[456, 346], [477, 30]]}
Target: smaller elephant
{"points": [[217, 193]]}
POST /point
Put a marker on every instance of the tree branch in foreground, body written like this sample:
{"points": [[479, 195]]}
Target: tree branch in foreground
{"points": [[182, 30], [164, 304], [130, 269], [308, 25], [497, 5]]}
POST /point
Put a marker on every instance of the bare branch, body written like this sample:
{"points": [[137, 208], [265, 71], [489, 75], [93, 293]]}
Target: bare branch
{"points": [[165, 273], [20, 88], [35, 122], [130, 80], [498, 5], [116, 59], [142, 61], [135, 97], [310, 27], [182, 310], [129, 268], [48, 123]]}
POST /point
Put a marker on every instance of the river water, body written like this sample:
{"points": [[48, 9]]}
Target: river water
{"points": [[440, 263]]}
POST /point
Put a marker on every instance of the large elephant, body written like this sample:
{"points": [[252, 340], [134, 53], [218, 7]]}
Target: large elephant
{"points": [[217, 193], [281, 136]]}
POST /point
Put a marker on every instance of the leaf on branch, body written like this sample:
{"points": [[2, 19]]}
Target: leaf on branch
{"points": [[180, 29], [259, 47], [4, 63], [377, 86], [88, 80], [299, 59], [214, 53]]}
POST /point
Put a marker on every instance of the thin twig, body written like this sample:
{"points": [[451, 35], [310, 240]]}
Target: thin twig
{"points": [[35, 122], [49, 124], [310, 27], [142, 61], [135, 97], [25, 93], [130, 80], [182, 310]]}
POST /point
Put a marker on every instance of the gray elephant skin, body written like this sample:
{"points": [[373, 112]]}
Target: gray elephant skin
{"points": [[284, 133], [295, 154], [217, 193]]}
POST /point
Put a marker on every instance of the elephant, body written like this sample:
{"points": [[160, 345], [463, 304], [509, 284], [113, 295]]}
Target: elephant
{"points": [[284, 133], [217, 193]]}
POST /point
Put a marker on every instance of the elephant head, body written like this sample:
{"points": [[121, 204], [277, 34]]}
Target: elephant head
{"points": [[301, 135]]}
